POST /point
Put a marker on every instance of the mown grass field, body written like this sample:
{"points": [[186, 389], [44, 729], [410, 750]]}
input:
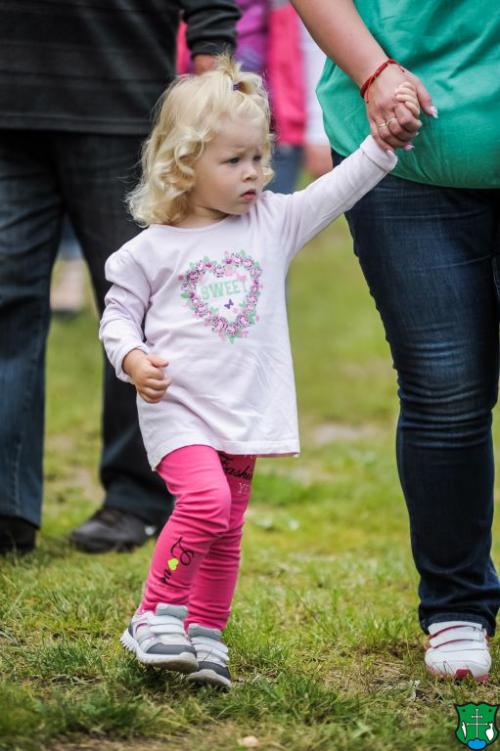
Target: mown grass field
{"points": [[326, 650]]}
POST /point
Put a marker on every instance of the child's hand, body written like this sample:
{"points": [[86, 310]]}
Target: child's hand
{"points": [[146, 372], [406, 93]]}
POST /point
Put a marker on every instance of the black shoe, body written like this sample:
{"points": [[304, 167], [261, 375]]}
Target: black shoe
{"points": [[112, 529], [16, 535]]}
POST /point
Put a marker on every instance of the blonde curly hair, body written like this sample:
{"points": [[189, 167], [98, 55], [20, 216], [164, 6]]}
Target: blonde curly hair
{"points": [[190, 113]]}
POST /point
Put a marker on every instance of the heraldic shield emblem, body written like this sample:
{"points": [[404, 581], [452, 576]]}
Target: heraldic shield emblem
{"points": [[476, 725]]}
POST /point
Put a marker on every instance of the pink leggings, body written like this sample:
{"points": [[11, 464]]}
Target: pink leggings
{"points": [[197, 555]]}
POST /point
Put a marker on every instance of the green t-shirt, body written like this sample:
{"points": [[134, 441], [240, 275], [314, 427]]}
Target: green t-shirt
{"points": [[454, 47]]}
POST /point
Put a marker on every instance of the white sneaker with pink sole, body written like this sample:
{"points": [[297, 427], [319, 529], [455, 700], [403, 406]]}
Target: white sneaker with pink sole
{"points": [[458, 649]]}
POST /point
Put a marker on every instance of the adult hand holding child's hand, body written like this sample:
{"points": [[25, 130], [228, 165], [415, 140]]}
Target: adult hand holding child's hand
{"points": [[146, 373], [394, 117]]}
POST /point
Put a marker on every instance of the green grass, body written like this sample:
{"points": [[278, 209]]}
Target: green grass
{"points": [[326, 650]]}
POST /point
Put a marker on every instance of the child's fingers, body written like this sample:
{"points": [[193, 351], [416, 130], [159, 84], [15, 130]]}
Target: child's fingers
{"points": [[146, 398], [150, 395], [403, 96], [407, 90], [411, 104], [157, 361], [154, 374], [408, 123], [162, 385], [407, 93], [406, 86], [152, 371]]}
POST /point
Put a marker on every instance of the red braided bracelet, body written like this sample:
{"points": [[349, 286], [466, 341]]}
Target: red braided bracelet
{"points": [[366, 86]]}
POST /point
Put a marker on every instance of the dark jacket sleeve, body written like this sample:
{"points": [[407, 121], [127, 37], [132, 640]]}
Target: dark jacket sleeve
{"points": [[210, 25]]}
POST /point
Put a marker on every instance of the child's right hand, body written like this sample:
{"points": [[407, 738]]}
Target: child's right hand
{"points": [[146, 373]]}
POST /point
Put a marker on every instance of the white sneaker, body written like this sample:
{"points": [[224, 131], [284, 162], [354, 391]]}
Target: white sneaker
{"points": [[212, 655], [457, 649], [159, 639]]}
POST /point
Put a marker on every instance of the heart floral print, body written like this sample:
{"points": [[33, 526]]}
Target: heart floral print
{"points": [[241, 278]]}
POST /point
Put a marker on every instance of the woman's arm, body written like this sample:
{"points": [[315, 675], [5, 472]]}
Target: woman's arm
{"points": [[340, 31]]}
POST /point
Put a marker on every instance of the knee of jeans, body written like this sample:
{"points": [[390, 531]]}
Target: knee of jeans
{"points": [[448, 395]]}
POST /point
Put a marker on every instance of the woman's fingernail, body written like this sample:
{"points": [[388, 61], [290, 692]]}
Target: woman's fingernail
{"points": [[408, 147], [434, 112]]}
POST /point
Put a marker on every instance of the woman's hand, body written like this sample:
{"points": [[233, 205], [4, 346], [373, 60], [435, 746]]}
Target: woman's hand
{"points": [[146, 373], [393, 112], [202, 63]]}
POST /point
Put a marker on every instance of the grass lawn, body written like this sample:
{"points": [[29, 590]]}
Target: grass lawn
{"points": [[326, 650]]}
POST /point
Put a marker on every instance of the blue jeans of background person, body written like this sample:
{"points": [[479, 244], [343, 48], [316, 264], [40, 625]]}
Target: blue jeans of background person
{"points": [[69, 247], [43, 176], [430, 257], [286, 163]]}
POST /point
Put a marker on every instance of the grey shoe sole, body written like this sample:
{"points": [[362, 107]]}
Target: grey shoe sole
{"points": [[182, 663], [208, 677]]}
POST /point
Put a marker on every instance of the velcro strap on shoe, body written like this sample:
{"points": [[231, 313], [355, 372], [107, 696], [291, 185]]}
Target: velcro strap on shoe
{"points": [[166, 619], [217, 646], [172, 639], [165, 628], [457, 633], [212, 652]]}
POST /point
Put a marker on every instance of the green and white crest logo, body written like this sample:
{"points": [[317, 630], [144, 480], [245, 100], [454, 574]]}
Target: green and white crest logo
{"points": [[476, 725]]}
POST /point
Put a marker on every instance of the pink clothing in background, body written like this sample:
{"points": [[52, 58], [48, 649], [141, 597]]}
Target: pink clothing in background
{"points": [[252, 35], [196, 558], [286, 73], [269, 43]]}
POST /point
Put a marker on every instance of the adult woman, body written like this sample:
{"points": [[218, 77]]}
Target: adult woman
{"points": [[428, 243]]}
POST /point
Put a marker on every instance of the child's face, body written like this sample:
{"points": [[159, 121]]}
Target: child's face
{"points": [[229, 175]]}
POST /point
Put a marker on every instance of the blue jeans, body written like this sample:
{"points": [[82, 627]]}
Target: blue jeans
{"points": [[430, 257], [69, 247], [43, 176], [286, 163]]}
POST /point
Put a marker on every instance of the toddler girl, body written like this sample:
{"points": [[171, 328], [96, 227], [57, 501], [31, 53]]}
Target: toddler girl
{"points": [[196, 320]]}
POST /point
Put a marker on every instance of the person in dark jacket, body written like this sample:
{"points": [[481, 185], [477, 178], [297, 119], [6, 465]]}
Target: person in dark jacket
{"points": [[78, 84]]}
